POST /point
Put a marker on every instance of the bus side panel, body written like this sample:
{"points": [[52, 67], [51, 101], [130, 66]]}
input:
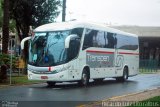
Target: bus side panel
{"points": [[73, 73], [101, 62], [79, 64], [134, 64], [127, 58]]}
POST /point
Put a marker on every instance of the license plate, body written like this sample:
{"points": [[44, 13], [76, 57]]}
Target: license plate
{"points": [[44, 77]]}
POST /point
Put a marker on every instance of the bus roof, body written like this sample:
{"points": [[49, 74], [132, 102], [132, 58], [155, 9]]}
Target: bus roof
{"points": [[75, 24]]}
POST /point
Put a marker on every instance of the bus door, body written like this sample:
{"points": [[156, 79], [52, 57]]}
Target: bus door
{"points": [[73, 52]]}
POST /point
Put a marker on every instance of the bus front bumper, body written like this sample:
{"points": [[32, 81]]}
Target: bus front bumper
{"points": [[60, 76]]}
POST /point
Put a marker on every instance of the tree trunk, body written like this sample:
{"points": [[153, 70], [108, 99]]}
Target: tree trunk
{"points": [[5, 37], [3, 73], [5, 28]]}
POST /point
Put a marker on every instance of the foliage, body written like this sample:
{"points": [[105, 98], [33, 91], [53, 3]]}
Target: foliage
{"points": [[152, 102], [5, 27], [32, 13], [11, 22], [28, 13], [1, 17], [5, 60], [12, 25]]}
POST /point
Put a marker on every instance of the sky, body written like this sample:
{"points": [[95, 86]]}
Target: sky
{"points": [[115, 12]]}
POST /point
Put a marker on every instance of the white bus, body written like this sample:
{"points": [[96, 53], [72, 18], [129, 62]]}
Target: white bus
{"points": [[80, 51]]}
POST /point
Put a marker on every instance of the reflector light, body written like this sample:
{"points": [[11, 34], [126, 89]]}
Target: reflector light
{"points": [[49, 68]]}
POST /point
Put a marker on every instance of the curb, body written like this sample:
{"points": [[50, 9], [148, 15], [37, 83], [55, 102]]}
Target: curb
{"points": [[109, 101]]}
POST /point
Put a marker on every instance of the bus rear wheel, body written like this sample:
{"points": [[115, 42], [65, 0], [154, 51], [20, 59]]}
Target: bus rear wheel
{"points": [[84, 79], [51, 83], [124, 77]]}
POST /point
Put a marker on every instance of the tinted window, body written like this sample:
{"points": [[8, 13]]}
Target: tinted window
{"points": [[95, 38], [89, 38], [47, 49], [110, 40], [98, 40], [127, 42], [77, 31]]}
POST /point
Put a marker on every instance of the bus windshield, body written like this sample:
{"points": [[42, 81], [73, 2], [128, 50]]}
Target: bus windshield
{"points": [[47, 48]]}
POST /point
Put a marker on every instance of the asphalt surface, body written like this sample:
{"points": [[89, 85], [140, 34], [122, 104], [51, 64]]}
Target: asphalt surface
{"points": [[71, 94]]}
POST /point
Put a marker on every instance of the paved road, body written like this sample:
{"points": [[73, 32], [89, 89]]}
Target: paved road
{"points": [[70, 94]]}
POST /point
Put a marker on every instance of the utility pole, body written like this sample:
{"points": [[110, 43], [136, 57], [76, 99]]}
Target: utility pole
{"points": [[10, 74], [64, 11]]}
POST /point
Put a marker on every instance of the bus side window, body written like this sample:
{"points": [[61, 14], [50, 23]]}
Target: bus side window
{"points": [[111, 40], [127, 42], [99, 39], [77, 31], [89, 38], [115, 41]]}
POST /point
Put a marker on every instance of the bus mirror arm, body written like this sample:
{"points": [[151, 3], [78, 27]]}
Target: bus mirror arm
{"points": [[68, 39], [23, 41]]}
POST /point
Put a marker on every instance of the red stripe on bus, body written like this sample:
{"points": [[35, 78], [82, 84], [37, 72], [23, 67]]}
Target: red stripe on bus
{"points": [[128, 53], [103, 52], [107, 52]]}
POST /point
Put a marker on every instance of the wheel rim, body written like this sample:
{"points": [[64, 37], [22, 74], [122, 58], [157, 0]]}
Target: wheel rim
{"points": [[125, 76], [84, 79], [50, 83]]}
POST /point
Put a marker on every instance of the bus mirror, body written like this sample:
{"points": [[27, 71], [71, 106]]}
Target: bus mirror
{"points": [[23, 41], [68, 39]]}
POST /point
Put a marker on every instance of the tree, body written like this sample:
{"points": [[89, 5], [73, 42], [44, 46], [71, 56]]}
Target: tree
{"points": [[5, 28], [32, 13], [5, 38], [1, 18]]}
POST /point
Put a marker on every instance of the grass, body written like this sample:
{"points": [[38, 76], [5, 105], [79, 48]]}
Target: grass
{"points": [[152, 102], [20, 80]]}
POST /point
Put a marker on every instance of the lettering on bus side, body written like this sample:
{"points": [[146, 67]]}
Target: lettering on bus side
{"points": [[96, 60]]}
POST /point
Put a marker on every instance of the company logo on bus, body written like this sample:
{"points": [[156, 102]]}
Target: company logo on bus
{"points": [[97, 59], [93, 58]]}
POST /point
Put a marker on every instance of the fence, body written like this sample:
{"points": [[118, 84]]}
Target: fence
{"points": [[148, 66]]}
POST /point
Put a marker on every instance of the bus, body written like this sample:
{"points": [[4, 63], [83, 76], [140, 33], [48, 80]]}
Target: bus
{"points": [[80, 51]]}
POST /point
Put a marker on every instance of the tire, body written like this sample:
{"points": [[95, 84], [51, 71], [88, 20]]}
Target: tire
{"points": [[124, 77], [51, 83], [98, 80], [84, 79]]}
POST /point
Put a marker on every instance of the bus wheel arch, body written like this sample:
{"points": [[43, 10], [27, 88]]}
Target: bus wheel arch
{"points": [[125, 74], [85, 76], [88, 70]]}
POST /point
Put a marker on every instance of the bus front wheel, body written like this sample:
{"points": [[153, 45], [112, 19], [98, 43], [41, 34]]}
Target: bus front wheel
{"points": [[84, 79], [51, 83], [98, 80]]}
